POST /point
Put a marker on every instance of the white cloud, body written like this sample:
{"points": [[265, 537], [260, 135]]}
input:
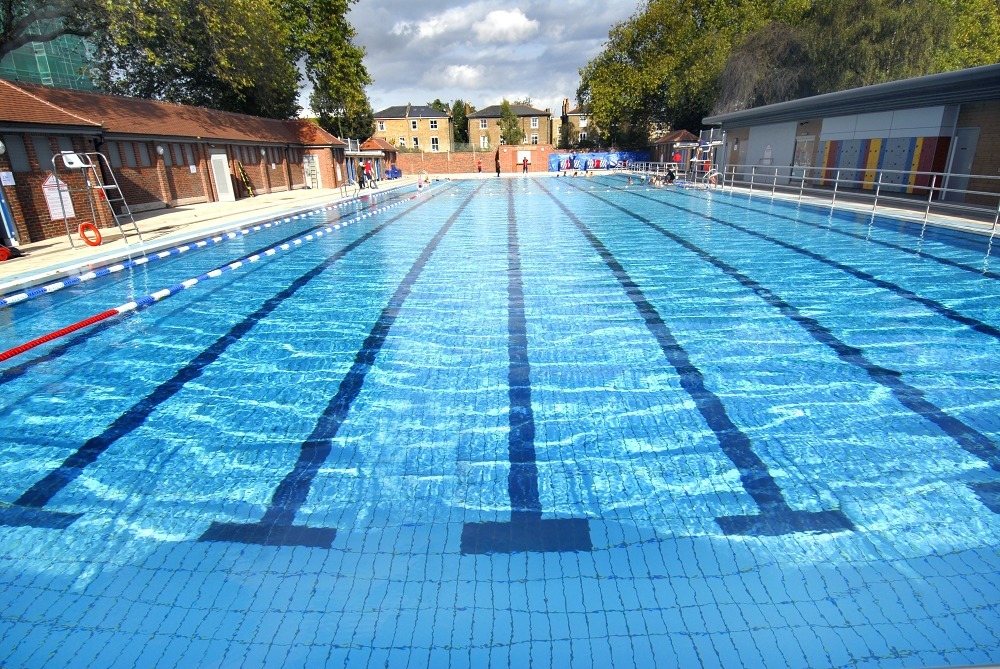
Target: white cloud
{"points": [[462, 75], [454, 20], [505, 26]]}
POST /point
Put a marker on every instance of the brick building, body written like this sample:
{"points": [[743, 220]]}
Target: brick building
{"points": [[161, 154], [415, 127], [484, 125]]}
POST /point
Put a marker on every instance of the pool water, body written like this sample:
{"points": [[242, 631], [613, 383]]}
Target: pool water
{"points": [[541, 422]]}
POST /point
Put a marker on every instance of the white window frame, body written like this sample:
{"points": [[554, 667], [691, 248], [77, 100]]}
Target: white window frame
{"points": [[402, 142], [416, 142], [434, 145], [413, 125], [484, 141], [381, 126], [534, 121], [583, 135], [534, 138], [583, 121], [483, 124], [434, 124]]}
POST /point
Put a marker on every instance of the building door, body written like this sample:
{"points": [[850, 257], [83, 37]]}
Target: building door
{"points": [[310, 164], [963, 150], [220, 172]]}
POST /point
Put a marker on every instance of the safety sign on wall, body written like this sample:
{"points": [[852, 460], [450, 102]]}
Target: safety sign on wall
{"points": [[57, 198]]}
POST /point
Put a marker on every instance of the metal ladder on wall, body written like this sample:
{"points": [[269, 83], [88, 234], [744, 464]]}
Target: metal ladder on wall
{"points": [[94, 166]]}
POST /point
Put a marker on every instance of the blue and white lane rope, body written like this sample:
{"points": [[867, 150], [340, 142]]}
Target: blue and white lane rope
{"points": [[111, 269], [184, 285]]}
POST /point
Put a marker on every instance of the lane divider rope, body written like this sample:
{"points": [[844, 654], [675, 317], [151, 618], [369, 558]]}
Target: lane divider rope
{"points": [[47, 289], [184, 285]]}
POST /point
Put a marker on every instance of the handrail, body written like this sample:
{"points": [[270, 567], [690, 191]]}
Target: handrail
{"points": [[921, 190]]}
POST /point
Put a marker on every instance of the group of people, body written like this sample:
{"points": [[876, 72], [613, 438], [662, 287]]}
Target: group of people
{"points": [[366, 176]]}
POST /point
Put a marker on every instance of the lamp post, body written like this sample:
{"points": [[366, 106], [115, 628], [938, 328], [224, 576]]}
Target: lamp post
{"points": [[8, 231]]}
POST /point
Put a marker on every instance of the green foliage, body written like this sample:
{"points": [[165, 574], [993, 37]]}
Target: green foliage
{"points": [[460, 121], [510, 125], [323, 38], [439, 105], [235, 55], [676, 61], [565, 135]]}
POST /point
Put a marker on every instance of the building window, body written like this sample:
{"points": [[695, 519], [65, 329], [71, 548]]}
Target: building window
{"points": [[416, 142], [15, 151], [434, 143], [413, 125], [534, 121], [482, 124], [129, 154], [534, 138], [583, 121], [114, 157], [43, 152], [583, 136], [484, 141], [434, 124], [381, 126], [502, 142], [402, 142]]}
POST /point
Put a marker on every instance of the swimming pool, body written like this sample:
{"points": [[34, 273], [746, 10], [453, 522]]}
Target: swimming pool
{"points": [[551, 422]]}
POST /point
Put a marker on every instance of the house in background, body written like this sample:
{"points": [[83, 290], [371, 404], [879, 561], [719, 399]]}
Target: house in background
{"points": [[580, 133], [484, 125], [415, 127], [665, 150], [161, 154]]}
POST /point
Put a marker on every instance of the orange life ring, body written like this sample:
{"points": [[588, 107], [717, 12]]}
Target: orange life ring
{"points": [[89, 227], [4, 253]]}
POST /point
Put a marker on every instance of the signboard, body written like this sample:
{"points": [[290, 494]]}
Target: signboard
{"points": [[6, 178], [57, 198]]}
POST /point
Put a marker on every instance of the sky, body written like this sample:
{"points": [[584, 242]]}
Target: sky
{"points": [[481, 51]]}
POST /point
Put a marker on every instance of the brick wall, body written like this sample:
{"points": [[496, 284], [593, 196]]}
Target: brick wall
{"points": [[27, 197], [465, 162]]}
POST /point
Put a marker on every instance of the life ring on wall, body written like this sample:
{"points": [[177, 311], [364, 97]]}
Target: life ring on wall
{"points": [[89, 227], [4, 253]]}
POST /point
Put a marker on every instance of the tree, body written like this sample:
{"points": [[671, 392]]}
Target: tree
{"points": [[323, 41], [460, 121], [566, 135], [439, 105], [510, 125], [232, 55], [23, 22]]}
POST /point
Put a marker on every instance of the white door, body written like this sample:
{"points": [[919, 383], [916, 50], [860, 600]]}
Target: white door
{"points": [[963, 150], [223, 182], [311, 165]]}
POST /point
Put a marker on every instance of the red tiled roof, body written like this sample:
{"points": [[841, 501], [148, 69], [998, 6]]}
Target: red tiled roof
{"points": [[676, 136], [120, 115], [311, 134], [377, 143], [21, 106]]}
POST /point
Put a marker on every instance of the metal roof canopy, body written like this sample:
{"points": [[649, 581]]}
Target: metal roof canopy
{"points": [[974, 84]]}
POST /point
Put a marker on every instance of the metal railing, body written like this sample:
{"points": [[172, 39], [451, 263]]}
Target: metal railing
{"points": [[972, 198]]}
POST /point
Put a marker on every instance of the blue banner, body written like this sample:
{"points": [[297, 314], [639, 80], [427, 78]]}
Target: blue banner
{"points": [[584, 162]]}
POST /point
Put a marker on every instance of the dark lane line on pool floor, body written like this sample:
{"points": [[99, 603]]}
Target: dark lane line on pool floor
{"points": [[28, 509], [776, 516], [905, 293], [971, 440], [526, 530], [276, 527], [857, 218]]}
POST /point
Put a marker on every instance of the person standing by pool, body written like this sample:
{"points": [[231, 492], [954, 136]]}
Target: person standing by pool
{"points": [[479, 165], [497, 158], [368, 173], [524, 165]]}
